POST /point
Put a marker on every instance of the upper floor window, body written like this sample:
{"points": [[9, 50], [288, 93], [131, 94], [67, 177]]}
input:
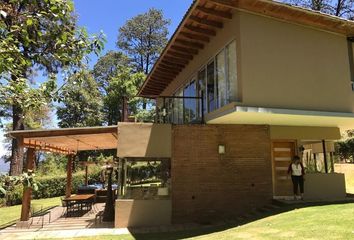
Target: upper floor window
{"points": [[215, 83], [219, 78]]}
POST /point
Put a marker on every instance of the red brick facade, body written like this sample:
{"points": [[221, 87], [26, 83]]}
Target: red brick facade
{"points": [[207, 186]]}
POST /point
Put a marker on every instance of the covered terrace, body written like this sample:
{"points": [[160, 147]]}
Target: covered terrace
{"points": [[67, 141]]}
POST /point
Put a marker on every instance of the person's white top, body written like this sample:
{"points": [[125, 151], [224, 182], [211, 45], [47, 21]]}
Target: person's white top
{"points": [[296, 169]]}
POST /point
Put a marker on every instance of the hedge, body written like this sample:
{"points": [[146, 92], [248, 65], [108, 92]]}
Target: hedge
{"points": [[50, 186]]}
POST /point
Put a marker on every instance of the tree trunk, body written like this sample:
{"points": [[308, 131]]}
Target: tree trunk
{"points": [[16, 165]]}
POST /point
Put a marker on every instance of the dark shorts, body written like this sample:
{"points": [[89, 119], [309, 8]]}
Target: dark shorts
{"points": [[298, 181]]}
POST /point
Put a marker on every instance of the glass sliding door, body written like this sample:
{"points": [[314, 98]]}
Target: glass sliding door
{"points": [[211, 90], [231, 72], [190, 106], [201, 92], [221, 79]]}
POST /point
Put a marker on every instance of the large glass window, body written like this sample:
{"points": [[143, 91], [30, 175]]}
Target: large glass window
{"points": [[221, 79], [216, 83], [201, 93], [231, 72], [190, 107], [211, 87]]}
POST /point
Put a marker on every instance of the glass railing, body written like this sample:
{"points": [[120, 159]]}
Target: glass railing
{"points": [[180, 110]]}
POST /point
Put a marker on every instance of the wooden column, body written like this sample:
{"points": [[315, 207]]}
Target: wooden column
{"points": [[69, 174], [27, 192]]}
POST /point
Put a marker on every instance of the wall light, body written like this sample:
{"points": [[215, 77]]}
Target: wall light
{"points": [[221, 149]]}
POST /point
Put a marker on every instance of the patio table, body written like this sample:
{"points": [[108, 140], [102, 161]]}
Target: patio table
{"points": [[75, 203]]}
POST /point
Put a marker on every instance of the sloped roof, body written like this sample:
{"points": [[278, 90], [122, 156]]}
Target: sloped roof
{"points": [[205, 17]]}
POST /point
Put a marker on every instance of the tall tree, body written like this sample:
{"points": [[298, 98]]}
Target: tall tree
{"points": [[81, 102], [116, 79], [36, 35], [105, 71], [340, 8], [143, 38]]}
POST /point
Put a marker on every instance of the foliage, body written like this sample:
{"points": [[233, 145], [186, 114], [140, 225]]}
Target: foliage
{"points": [[144, 115], [53, 165], [340, 8], [108, 73], [50, 186], [117, 80], [143, 37], [81, 102], [37, 36], [345, 150]]}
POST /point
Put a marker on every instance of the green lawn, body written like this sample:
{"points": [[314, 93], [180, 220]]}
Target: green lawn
{"points": [[13, 213], [318, 222]]}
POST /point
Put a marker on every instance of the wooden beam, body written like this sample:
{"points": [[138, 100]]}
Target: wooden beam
{"points": [[164, 79], [167, 70], [176, 60], [195, 36], [175, 68], [190, 44], [180, 55], [176, 65], [69, 174], [208, 32], [225, 3], [27, 191], [214, 12], [206, 22], [159, 82], [164, 74], [185, 49]]}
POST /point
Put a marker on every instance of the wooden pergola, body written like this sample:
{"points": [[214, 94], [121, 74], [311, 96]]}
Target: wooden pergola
{"points": [[67, 141]]}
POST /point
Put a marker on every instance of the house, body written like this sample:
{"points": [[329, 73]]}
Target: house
{"points": [[269, 81], [241, 87]]}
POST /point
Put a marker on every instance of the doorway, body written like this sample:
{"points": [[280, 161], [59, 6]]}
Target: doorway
{"points": [[282, 154]]}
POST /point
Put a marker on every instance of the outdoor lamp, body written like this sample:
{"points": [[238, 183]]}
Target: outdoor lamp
{"points": [[221, 149]]}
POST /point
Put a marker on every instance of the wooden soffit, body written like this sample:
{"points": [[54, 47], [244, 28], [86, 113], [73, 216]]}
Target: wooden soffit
{"points": [[203, 20]]}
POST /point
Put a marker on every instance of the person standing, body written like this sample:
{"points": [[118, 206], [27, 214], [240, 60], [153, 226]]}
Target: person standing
{"points": [[297, 171]]}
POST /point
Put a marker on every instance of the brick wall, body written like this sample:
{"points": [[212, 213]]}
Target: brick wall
{"points": [[207, 186]]}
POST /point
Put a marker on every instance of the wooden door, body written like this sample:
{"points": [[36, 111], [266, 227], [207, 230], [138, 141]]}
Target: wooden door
{"points": [[282, 154]]}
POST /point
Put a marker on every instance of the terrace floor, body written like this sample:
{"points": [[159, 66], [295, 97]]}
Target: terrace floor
{"points": [[61, 227]]}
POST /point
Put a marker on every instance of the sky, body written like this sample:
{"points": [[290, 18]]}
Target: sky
{"points": [[108, 16]]}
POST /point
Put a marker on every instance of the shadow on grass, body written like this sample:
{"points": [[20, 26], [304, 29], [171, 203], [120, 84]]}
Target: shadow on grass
{"points": [[209, 229]]}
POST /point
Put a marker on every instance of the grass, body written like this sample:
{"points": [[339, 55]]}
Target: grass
{"points": [[316, 222], [10, 214]]}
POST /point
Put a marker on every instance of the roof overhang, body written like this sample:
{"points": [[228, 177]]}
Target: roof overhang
{"points": [[202, 22], [69, 140], [281, 117]]}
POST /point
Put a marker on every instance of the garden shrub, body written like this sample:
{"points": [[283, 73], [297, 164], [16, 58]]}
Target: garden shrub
{"points": [[49, 186]]}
